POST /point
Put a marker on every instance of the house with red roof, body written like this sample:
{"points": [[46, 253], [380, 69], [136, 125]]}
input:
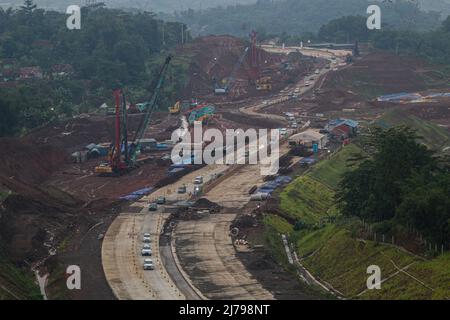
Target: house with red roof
{"points": [[30, 73], [341, 132]]}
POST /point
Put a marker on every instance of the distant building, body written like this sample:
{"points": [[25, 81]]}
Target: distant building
{"points": [[8, 70], [309, 137], [341, 132], [338, 122], [30, 73], [148, 145], [333, 46], [342, 129], [8, 75], [61, 70]]}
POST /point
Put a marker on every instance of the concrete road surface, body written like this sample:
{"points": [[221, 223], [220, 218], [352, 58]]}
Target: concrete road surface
{"points": [[123, 264], [121, 258], [207, 254]]}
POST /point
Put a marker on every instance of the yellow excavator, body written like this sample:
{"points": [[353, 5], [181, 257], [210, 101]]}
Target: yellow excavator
{"points": [[176, 108]]}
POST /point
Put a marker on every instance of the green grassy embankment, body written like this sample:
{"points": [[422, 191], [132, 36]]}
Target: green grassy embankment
{"points": [[330, 172], [433, 136], [307, 200], [333, 253], [16, 284]]}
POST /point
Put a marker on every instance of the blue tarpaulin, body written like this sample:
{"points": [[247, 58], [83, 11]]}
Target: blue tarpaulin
{"points": [[175, 170], [162, 146], [137, 194], [270, 186], [397, 97], [307, 161], [283, 179]]}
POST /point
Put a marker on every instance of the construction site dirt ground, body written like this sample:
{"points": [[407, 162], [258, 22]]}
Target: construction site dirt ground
{"points": [[39, 170], [213, 58]]}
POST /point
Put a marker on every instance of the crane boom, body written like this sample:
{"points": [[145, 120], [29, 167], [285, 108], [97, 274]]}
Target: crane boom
{"points": [[116, 166], [230, 80], [235, 70], [150, 108]]}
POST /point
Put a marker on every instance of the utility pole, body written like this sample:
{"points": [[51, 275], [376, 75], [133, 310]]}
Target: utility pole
{"points": [[125, 129], [164, 33], [182, 33]]}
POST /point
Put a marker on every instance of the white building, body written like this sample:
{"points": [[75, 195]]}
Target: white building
{"points": [[309, 136]]}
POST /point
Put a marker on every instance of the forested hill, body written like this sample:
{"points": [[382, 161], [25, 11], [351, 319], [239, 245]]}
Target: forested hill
{"points": [[301, 16], [49, 71]]}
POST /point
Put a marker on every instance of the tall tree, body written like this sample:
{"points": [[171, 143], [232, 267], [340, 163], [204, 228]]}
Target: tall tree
{"points": [[374, 190], [28, 6]]}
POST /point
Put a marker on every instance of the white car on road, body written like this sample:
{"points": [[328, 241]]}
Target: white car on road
{"points": [[147, 238], [146, 252], [149, 265], [198, 180]]}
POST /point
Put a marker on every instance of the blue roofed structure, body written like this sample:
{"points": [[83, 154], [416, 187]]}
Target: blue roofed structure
{"points": [[337, 122]]}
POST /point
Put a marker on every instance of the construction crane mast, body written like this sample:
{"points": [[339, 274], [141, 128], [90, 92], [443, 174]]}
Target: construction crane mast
{"points": [[118, 165], [254, 61]]}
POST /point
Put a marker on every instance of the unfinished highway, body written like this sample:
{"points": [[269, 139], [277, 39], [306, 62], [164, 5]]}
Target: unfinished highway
{"points": [[205, 249], [199, 260], [207, 254], [121, 258]]}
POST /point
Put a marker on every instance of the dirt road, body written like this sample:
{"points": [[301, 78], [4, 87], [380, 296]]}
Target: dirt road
{"points": [[298, 89], [232, 192], [322, 53], [207, 254]]}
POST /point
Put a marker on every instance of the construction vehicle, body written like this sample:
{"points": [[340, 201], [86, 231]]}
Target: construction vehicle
{"points": [[263, 84], [228, 83], [176, 108], [115, 164], [201, 113], [122, 155]]}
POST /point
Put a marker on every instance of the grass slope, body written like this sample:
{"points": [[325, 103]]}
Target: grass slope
{"points": [[434, 137], [307, 200], [331, 171], [342, 260], [435, 274], [335, 255], [15, 284]]}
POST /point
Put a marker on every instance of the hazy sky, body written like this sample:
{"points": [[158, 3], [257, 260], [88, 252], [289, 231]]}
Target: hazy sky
{"points": [[150, 5]]}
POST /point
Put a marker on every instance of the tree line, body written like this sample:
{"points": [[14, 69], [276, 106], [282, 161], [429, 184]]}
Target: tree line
{"points": [[300, 17], [402, 182], [112, 49], [433, 45]]}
